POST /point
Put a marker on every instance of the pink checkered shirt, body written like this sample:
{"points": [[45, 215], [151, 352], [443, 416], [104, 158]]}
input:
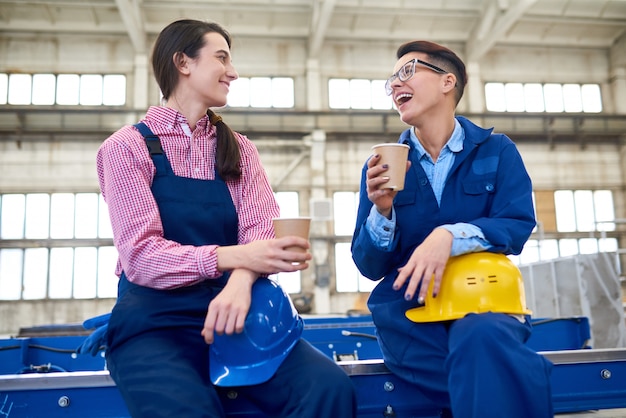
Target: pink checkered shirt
{"points": [[125, 172]]}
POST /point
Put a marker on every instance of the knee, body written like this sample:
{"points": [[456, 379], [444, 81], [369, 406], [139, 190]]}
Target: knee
{"points": [[483, 330]]}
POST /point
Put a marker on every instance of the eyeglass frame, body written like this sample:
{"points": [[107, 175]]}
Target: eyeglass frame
{"points": [[414, 61]]}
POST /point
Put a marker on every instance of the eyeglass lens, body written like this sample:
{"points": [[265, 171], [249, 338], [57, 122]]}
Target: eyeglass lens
{"points": [[404, 73], [407, 70]]}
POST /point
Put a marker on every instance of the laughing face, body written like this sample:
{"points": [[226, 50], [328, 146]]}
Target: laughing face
{"points": [[417, 87]]}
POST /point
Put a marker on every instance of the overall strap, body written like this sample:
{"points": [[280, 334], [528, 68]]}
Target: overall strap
{"points": [[154, 147]]}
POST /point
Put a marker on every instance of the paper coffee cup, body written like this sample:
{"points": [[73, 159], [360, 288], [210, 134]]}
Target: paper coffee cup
{"points": [[395, 156], [292, 226]]}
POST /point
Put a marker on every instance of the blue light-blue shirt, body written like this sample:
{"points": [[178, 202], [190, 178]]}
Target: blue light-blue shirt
{"points": [[467, 237]]}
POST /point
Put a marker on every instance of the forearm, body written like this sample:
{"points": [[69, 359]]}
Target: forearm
{"points": [[381, 228], [162, 264], [231, 257], [467, 238], [371, 260]]}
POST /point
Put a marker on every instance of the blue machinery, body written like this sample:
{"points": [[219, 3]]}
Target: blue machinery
{"points": [[43, 377]]}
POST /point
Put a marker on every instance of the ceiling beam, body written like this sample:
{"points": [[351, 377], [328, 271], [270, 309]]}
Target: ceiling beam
{"points": [[492, 26], [319, 25], [130, 13]]}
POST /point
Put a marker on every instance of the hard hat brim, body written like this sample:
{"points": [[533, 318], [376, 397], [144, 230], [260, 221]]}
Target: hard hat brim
{"points": [[420, 315], [248, 375]]}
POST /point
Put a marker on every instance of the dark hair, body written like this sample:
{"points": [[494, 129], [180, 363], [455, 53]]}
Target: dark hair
{"points": [[186, 36], [442, 57]]}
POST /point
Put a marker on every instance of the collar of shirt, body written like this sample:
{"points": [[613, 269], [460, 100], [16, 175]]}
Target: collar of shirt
{"points": [[190, 153], [168, 120], [437, 173]]}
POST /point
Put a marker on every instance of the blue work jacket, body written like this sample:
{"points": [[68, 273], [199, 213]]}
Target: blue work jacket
{"points": [[487, 186]]}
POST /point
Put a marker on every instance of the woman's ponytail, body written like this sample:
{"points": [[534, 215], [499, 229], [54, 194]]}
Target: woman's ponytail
{"points": [[227, 154]]}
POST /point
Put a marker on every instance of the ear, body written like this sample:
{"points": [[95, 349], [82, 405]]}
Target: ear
{"points": [[181, 62], [449, 82]]}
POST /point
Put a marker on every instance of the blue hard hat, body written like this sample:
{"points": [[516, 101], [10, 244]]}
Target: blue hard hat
{"points": [[272, 329]]}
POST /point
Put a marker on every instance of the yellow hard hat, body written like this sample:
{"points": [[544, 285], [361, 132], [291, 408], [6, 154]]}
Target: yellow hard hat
{"points": [[474, 282]]}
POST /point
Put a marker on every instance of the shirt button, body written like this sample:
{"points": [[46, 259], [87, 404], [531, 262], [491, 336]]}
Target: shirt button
{"points": [[489, 187]]}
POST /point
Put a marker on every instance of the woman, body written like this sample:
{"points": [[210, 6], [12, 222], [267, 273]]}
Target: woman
{"points": [[466, 191], [191, 210]]}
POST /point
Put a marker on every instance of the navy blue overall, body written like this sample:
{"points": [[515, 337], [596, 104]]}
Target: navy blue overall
{"points": [[156, 355]]}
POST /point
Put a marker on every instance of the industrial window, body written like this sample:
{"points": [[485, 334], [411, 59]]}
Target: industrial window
{"points": [[584, 210], [537, 97], [289, 208], [59, 246], [262, 92], [548, 249], [357, 94], [56, 246], [63, 89], [565, 214], [347, 276]]}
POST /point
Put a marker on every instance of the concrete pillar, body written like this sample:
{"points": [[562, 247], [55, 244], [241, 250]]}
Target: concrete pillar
{"points": [[320, 247], [474, 90], [140, 93], [618, 89], [313, 85], [617, 76]]}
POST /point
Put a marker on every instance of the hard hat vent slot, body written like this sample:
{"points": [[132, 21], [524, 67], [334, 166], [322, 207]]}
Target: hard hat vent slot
{"points": [[471, 280]]}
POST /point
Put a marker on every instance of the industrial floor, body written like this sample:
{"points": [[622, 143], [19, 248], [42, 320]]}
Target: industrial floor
{"points": [[603, 413]]}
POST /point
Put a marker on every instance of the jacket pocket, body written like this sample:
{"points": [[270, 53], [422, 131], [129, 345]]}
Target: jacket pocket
{"points": [[479, 186]]}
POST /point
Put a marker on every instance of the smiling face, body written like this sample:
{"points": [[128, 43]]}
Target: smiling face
{"points": [[422, 94], [208, 76]]}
